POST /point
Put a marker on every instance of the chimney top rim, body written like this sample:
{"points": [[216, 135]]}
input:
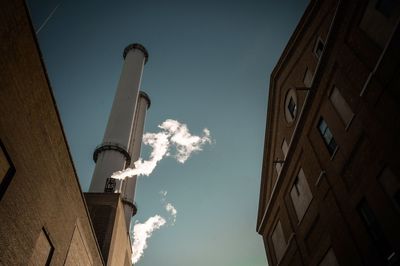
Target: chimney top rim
{"points": [[146, 97], [138, 46]]}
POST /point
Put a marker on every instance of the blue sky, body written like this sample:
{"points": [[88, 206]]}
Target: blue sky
{"points": [[209, 67]]}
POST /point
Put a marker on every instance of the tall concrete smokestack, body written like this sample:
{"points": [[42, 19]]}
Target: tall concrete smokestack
{"points": [[113, 154], [129, 184]]}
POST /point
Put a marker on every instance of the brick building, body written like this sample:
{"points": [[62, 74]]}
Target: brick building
{"points": [[44, 219], [330, 185]]}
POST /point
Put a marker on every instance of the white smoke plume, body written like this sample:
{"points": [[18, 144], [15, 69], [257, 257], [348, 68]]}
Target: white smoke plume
{"points": [[173, 133], [168, 206], [171, 210], [141, 232], [163, 194]]}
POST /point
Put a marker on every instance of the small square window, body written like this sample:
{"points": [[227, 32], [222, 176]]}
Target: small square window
{"points": [[332, 145], [319, 48], [292, 108], [327, 136], [322, 126]]}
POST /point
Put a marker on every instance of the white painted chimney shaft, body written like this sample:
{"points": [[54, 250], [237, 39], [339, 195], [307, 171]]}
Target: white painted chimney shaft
{"points": [[113, 155], [129, 184]]}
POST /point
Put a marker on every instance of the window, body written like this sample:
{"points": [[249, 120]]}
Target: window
{"points": [[279, 241], [308, 77], [7, 170], [300, 194], [285, 148], [327, 136], [341, 106], [329, 259], [319, 48], [292, 108], [379, 20], [391, 184], [375, 231], [290, 105], [43, 250]]}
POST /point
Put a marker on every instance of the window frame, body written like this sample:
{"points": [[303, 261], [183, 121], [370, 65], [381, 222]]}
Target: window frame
{"points": [[292, 107], [327, 136], [341, 114], [290, 113], [316, 46], [302, 193], [284, 241]]}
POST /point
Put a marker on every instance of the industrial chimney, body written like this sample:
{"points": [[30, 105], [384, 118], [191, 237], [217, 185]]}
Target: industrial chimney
{"points": [[110, 201], [113, 155], [129, 184]]}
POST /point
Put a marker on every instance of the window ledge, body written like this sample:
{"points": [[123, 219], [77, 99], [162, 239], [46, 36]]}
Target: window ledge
{"points": [[349, 124], [334, 153], [321, 175]]}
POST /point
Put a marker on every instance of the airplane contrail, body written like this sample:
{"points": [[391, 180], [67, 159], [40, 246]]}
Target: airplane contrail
{"points": [[47, 19]]}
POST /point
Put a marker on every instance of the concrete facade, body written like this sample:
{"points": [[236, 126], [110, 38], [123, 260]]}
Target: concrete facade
{"points": [[330, 185], [44, 220], [108, 217]]}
